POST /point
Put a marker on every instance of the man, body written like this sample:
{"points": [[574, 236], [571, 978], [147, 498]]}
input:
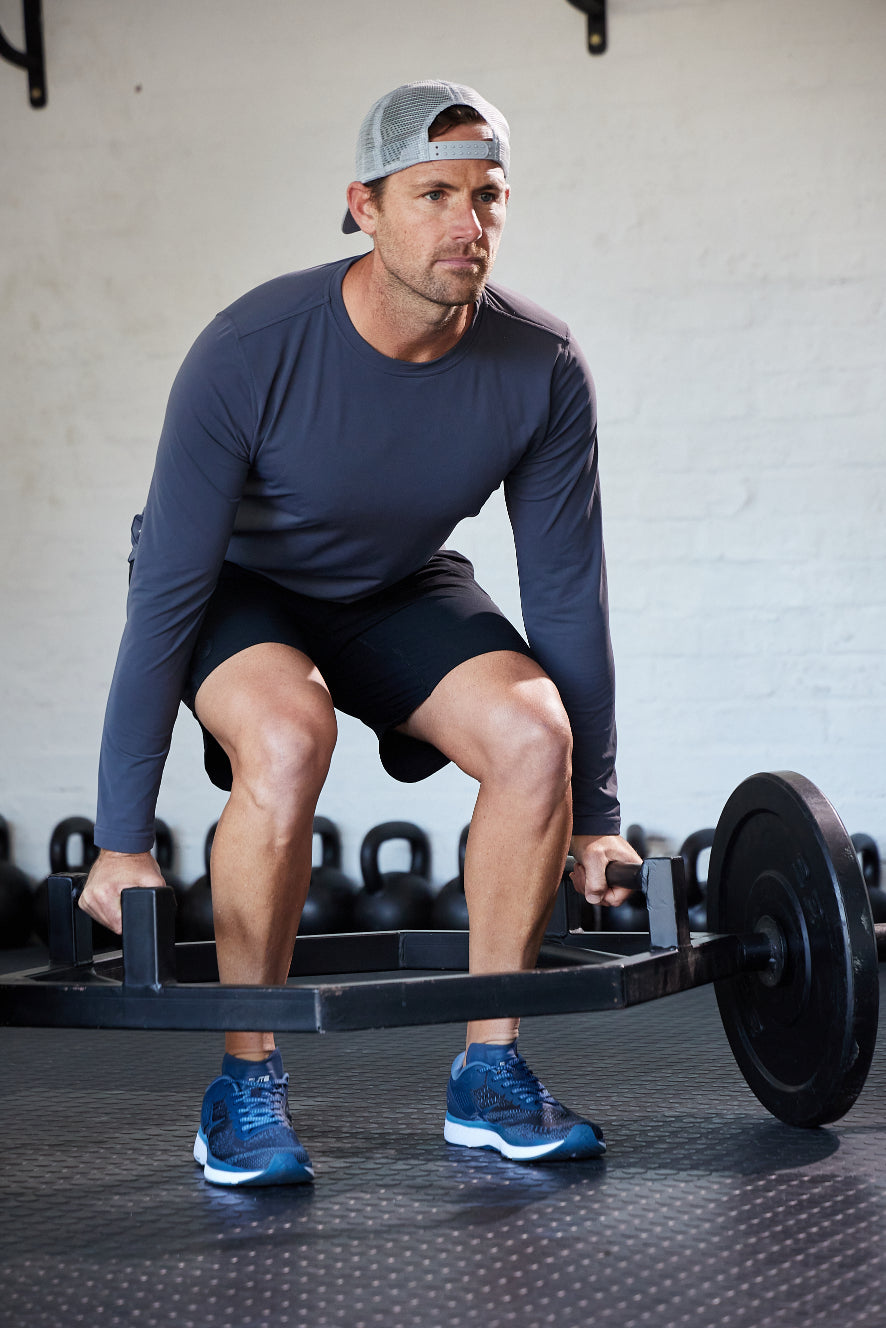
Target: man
{"points": [[323, 437]]}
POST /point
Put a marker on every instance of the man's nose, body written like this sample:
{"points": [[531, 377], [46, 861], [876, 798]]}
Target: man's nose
{"points": [[465, 223]]}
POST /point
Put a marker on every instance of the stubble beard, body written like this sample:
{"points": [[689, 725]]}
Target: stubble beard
{"points": [[455, 289], [447, 290]]}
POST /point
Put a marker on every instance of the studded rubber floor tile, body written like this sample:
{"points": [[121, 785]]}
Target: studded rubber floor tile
{"points": [[705, 1210]]}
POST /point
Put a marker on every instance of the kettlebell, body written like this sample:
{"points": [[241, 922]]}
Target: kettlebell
{"points": [[696, 890], [449, 910], [193, 920], [16, 898], [329, 906], [60, 861], [869, 860], [633, 914], [393, 901], [164, 852]]}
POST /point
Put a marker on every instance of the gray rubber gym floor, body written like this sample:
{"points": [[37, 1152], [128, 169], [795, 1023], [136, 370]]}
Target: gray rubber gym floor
{"points": [[705, 1211]]}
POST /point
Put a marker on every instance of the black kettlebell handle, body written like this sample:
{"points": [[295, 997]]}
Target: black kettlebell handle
{"points": [[163, 847], [4, 840], [330, 841], [691, 850], [58, 844], [636, 837], [418, 841], [462, 851], [867, 850], [207, 847]]}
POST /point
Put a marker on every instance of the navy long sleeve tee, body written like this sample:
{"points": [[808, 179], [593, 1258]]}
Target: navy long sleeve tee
{"points": [[295, 449]]}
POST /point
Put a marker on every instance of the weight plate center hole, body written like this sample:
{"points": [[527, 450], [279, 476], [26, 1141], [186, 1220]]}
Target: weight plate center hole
{"points": [[775, 908], [774, 971]]}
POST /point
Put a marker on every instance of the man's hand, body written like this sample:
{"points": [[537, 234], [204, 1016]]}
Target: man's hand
{"points": [[111, 873], [592, 853]]}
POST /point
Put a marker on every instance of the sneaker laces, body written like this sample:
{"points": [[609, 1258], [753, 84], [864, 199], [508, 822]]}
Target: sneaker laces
{"points": [[517, 1080], [259, 1105]]}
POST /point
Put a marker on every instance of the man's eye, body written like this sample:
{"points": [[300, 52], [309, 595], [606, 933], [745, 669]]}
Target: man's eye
{"points": [[434, 194]]}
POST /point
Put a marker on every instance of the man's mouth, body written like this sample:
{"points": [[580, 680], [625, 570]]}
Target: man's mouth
{"points": [[465, 262]]}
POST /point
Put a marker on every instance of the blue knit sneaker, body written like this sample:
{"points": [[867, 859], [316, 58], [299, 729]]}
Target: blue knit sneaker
{"points": [[246, 1135], [495, 1101]]}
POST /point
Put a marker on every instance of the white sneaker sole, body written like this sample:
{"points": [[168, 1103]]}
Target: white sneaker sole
{"points": [[222, 1176], [476, 1136]]}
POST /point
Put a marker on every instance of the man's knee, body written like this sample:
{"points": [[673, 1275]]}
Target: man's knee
{"points": [[531, 742], [280, 758]]}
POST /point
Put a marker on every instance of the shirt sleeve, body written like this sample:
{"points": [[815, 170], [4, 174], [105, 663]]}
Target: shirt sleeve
{"points": [[553, 499], [202, 463]]}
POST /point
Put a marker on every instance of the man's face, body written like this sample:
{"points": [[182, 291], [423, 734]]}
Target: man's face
{"points": [[438, 225]]}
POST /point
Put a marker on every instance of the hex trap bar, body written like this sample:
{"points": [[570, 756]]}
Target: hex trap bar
{"points": [[362, 980]]}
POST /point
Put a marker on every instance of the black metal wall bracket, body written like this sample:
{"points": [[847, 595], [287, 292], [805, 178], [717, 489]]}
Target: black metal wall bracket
{"points": [[596, 12], [32, 58]]}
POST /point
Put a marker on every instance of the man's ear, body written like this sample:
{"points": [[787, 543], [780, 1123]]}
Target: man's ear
{"points": [[361, 206]]}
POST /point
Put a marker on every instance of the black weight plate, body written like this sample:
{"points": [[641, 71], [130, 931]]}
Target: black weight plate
{"points": [[783, 863]]}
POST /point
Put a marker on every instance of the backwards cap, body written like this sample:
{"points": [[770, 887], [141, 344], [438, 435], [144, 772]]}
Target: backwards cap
{"points": [[394, 134]]}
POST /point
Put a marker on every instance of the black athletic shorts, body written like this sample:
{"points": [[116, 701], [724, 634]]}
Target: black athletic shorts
{"points": [[380, 656]]}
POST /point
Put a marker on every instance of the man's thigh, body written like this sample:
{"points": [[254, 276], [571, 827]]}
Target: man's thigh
{"points": [[251, 658], [261, 686], [486, 708]]}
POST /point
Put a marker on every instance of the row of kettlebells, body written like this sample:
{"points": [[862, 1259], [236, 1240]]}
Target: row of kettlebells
{"points": [[384, 901]]}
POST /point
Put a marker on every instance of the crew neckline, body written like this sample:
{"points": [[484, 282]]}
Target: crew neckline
{"points": [[387, 364]]}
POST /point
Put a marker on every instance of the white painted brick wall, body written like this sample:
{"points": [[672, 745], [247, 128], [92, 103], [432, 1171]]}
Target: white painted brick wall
{"points": [[706, 205]]}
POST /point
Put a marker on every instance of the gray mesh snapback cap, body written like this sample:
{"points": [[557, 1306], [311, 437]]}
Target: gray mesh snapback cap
{"points": [[394, 135]]}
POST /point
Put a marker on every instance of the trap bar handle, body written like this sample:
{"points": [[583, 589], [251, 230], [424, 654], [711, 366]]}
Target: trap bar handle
{"points": [[663, 882], [148, 939]]}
